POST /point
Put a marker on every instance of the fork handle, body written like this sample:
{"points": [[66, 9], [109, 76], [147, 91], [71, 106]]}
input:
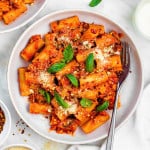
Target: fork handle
{"points": [[110, 139]]}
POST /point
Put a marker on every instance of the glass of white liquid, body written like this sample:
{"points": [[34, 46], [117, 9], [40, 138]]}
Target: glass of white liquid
{"points": [[141, 18]]}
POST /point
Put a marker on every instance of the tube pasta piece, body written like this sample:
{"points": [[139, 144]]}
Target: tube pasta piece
{"points": [[36, 42], [95, 122], [105, 41], [93, 79], [70, 23], [14, 14], [4, 6], [43, 55], [89, 94], [48, 52], [114, 62], [36, 108], [93, 31], [30, 77], [49, 38], [23, 86], [28, 1], [83, 113]]}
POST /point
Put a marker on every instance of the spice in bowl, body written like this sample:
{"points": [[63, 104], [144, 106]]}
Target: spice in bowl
{"points": [[2, 119]]}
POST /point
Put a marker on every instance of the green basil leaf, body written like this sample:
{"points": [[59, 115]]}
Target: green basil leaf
{"points": [[56, 67], [68, 53], [42, 92], [48, 98], [60, 100], [84, 102], [89, 64], [46, 95], [104, 106], [73, 79], [94, 3]]}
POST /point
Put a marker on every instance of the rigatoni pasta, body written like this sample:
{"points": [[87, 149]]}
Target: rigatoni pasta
{"points": [[72, 74], [10, 10]]}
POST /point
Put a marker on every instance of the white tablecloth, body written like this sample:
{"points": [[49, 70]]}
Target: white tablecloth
{"points": [[119, 10]]}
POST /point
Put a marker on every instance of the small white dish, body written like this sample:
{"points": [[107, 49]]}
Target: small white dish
{"points": [[141, 18], [28, 147], [32, 11], [7, 125], [130, 91]]}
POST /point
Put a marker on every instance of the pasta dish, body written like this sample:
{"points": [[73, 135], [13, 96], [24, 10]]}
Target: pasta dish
{"points": [[72, 74], [10, 10]]}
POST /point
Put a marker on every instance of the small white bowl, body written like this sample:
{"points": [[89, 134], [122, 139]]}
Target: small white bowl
{"points": [[32, 11], [141, 18], [18, 146], [7, 125]]}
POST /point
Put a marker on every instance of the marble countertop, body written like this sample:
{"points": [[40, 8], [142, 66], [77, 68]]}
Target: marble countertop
{"points": [[120, 11]]}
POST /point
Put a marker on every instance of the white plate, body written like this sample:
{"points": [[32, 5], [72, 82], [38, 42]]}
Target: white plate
{"points": [[130, 92], [32, 11], [7, 126]]}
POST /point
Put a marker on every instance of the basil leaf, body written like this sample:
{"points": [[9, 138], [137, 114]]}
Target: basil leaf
{"points": [[60, 101], [46, 95], [94, 3], [73, 79], [84, 102], [89, 64], [56, 67], [104, 106], [68, 53]]}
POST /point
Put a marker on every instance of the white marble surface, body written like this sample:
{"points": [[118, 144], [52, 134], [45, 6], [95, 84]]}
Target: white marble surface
{"points": [[120, 11]]}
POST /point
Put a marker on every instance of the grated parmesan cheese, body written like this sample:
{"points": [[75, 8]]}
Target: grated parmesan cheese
{"points": [[109, 49], [117, 53], [72, 109], [31, 91], [98, 54], [44, 78], [86, 44], [64, 38]]}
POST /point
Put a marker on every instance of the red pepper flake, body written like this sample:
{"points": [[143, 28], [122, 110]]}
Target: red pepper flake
{"points": [[2, 119]]}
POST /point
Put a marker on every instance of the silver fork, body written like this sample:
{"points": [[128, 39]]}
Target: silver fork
{"points": [[125, 58]]}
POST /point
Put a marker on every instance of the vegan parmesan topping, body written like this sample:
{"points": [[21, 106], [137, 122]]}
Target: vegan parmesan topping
{"points": [[18, 148], [2, 119]]}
